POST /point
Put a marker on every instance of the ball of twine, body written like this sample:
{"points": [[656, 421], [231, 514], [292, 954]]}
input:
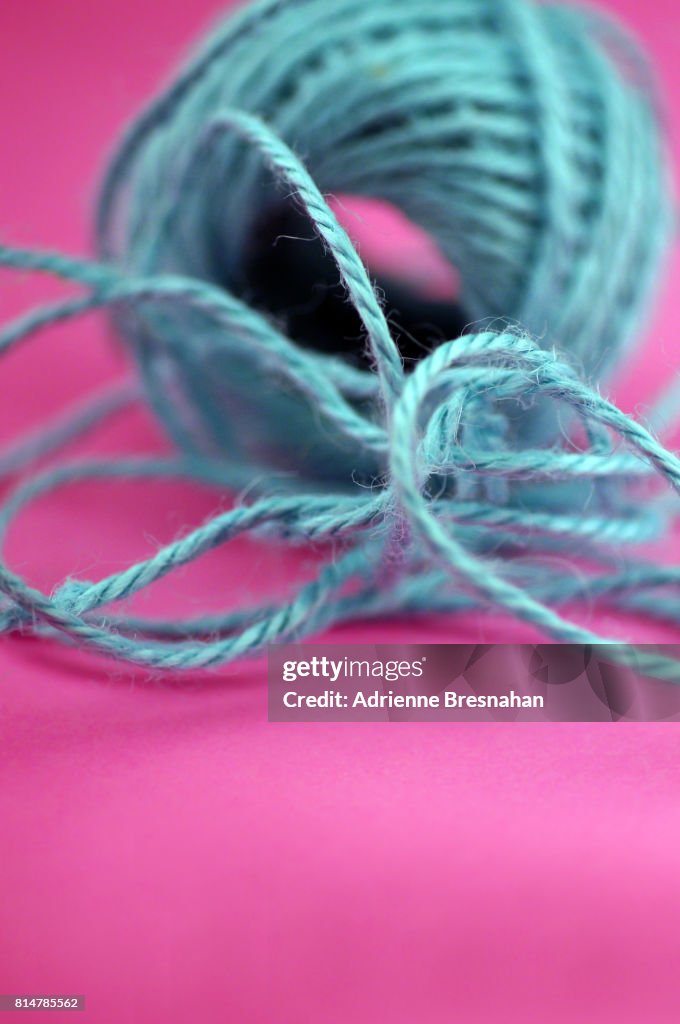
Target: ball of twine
{"points": [[524, 140]]}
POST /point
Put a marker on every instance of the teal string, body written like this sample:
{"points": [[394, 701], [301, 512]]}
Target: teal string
{"points": [[524, 138]]}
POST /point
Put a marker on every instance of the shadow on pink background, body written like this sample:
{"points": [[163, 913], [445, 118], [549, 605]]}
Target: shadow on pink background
{"points": [[172, 856]]}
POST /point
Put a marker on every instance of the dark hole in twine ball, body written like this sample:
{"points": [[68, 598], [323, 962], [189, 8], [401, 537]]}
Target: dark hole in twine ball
{"points": [[291, 274]]}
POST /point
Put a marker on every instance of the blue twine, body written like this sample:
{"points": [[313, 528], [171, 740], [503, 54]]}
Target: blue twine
{"points": [[524, 139]]}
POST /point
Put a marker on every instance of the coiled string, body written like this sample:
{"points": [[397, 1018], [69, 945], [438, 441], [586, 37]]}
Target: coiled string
{"points": [[470, 467]]}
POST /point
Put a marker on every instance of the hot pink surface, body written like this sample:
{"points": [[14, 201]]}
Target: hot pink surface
{"points": [[171, 855]]}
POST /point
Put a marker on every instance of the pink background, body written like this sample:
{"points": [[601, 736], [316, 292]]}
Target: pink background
{"points": [[171, 855]]}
